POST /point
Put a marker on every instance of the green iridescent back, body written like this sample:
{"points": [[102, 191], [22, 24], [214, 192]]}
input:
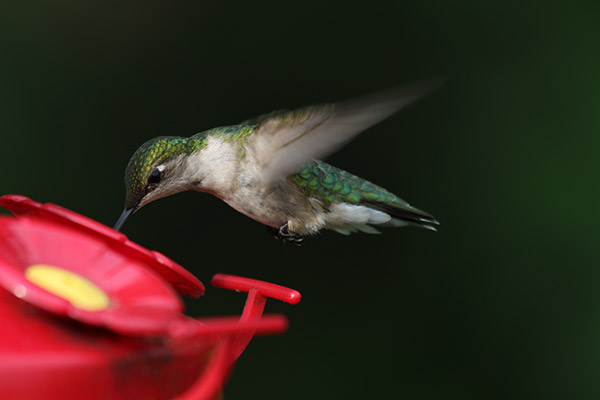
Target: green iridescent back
{"points": [[331, 185], [318, 179], [234, 134]]}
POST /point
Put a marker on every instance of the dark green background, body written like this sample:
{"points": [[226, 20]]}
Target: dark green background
{"points": [[501, 303]]}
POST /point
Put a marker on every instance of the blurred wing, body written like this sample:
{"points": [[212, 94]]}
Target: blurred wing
{"points": [[284, 142], [264, 117]]}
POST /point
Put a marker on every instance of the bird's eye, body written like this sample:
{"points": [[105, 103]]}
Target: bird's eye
{"points": [[154, 178]]}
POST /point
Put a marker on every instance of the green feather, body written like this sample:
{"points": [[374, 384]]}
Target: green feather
{"points": [[333, 185]]}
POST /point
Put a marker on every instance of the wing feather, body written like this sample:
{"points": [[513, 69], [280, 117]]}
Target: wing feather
{"points": [[283, 143]]}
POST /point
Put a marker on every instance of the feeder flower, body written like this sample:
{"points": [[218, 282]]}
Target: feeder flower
{"points": [[87, 313], [182, 280], [70, 273]]}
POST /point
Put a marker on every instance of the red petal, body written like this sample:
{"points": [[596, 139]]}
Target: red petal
{"points": [[140, 301], [181, 279]]}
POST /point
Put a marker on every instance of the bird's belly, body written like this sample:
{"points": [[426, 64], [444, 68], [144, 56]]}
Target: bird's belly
{"points": [[258, 207], [271, 203]]}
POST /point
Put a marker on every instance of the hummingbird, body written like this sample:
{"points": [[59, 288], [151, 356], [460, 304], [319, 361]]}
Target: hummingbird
{"points": [[268, 169]]}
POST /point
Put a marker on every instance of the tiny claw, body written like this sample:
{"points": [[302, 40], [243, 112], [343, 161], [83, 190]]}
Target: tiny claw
{"points": [[283, 234]]}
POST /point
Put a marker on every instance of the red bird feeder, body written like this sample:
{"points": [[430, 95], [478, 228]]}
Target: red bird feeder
{"points": [[86, 313]]}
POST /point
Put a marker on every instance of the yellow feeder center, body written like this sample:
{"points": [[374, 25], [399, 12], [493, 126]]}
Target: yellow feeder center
{"points": [[77, 290]]}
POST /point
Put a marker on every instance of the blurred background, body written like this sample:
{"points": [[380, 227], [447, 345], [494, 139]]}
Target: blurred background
{"points": [[502, 303]]}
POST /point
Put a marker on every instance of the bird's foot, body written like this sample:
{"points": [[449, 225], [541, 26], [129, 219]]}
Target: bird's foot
{"points": [[285, 235]]}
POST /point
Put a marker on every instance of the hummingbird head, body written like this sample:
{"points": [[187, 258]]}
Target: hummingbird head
{"points": [[155, 170]]}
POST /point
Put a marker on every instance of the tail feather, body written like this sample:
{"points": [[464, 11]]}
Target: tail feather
{"points": [[347, 218], [405, 213]]}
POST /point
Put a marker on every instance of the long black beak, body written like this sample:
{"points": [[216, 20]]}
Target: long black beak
{"points": [[126, 213]]}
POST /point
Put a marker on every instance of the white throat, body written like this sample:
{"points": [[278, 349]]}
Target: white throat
{"points": [[215, 167]]}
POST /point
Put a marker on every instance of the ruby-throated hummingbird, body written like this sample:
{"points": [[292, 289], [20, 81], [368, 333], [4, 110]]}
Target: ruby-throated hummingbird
{"points": [[267, 169]]}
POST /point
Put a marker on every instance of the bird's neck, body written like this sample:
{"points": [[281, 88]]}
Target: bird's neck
{"points": [[214, 166]]}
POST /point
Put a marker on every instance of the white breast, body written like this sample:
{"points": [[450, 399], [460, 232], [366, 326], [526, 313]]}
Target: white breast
{"points": [[220, 170]]}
